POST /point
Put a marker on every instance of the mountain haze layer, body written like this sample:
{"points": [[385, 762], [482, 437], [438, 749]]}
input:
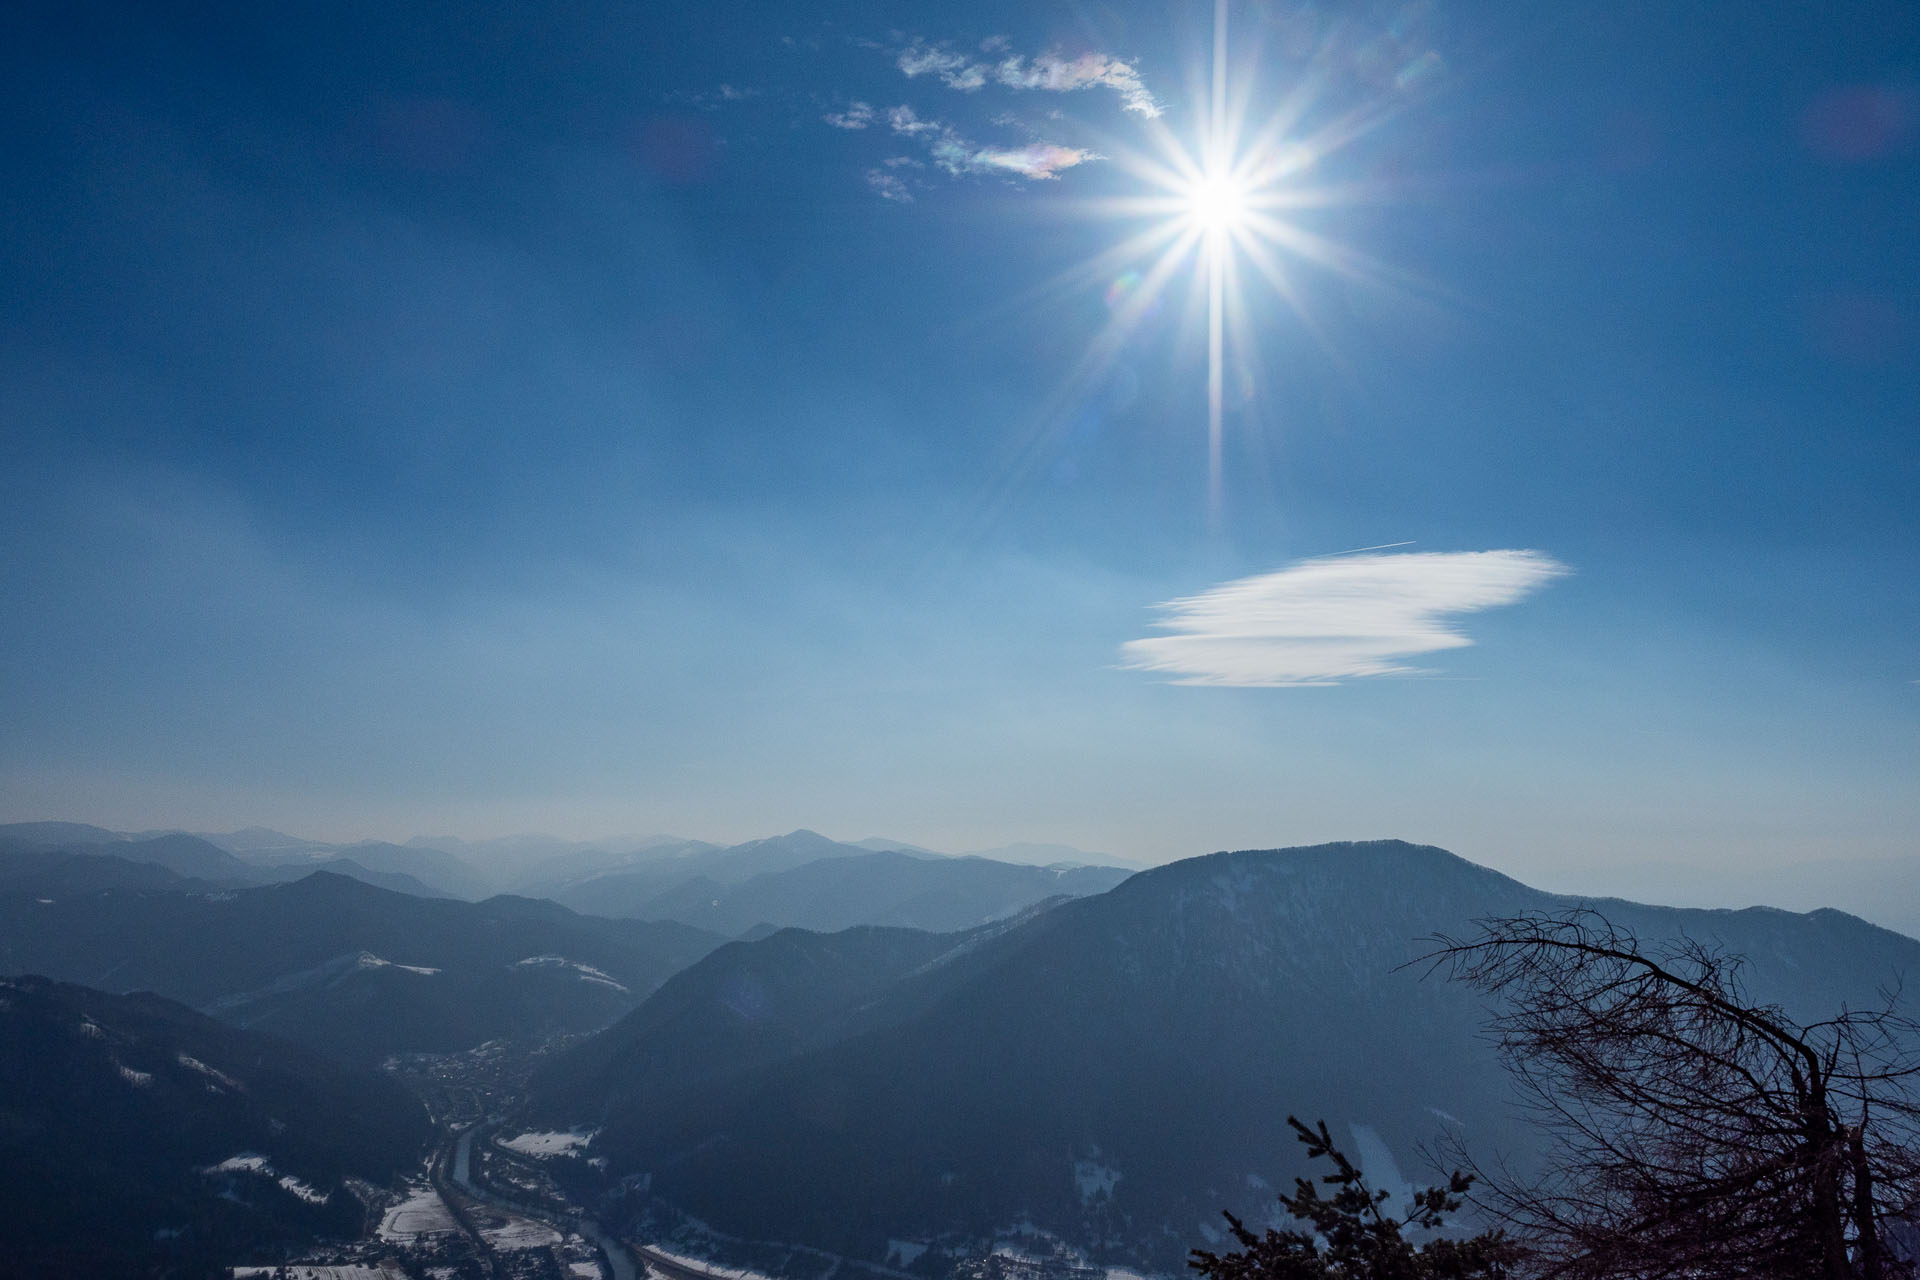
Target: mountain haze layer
{"points": [[201, 860], [353, 970], [805, 880]]}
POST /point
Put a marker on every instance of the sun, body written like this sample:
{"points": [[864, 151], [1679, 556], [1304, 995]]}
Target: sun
{"points": [[1225, 203], [1217, 204]]}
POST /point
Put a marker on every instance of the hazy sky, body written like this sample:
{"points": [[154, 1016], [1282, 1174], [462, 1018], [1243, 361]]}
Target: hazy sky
{"points": [[730, 417]]}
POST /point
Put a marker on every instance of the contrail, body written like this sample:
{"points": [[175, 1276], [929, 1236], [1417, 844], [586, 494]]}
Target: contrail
{"points": [[1357, 550]]}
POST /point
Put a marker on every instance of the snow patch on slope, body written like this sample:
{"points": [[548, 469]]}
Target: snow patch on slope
{"points": [[211, 1073], [368, 960], [1095, 1179], [585, 972], [1376, 1161], [252, 1162]]}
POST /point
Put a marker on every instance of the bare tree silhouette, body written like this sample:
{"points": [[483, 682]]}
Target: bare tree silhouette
{"points": [[1699, 1135]]}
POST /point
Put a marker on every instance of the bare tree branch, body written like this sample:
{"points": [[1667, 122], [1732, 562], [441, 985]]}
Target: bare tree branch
{"points": [[1699, 1134]]}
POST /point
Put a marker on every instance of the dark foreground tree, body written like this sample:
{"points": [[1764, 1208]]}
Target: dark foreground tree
{"points": [[1351, 1236], [1698, 1135]]}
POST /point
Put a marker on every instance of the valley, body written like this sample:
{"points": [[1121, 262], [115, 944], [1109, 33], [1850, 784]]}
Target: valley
{"points": [[1072, 1088]]}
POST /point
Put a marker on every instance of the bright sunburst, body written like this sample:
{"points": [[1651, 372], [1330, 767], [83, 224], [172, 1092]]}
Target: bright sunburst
{"points": [[1214, 209], [1214, 205], [1217, 205]]}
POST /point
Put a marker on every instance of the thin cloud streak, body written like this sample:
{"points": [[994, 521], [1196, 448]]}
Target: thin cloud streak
{"points": [[888, 186], [1039, 160], [957, 155], [1049, 72], [858, 115], [905, 120], [1334, 618]]}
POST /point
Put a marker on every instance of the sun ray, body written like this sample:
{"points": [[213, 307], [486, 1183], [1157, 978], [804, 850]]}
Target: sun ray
{"points": [[1224, 207]]}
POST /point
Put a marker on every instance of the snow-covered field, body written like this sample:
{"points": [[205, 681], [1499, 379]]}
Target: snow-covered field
{"points": [[703, 1265], [299, 1271], [548, 1144], [521, 1233], [423, 1213]]}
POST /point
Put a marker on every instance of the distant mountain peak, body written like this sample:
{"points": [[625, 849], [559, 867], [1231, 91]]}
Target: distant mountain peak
{"points": [[266, 833]]}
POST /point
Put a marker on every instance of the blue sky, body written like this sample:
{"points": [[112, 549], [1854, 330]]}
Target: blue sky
{"points": [[610, 417]]}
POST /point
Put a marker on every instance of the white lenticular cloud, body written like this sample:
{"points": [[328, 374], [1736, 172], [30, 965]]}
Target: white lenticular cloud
{"points": [[1332, 619]]}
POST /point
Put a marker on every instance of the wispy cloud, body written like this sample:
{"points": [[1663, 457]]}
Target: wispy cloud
{"points": [[858, 115], [889, 186], [906, 121], [956, 70], [1049, 72], [1041, 160], [711, 99], [1033, 157], [957, 155], [1335, 618]]}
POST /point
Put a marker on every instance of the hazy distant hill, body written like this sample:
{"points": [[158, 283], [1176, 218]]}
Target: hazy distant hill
{"points": [[62, 871], [395, 881], [936, 894], [182, 854], [1116, 1069], [537, 866], [629, 890], [203, 862], [441, 873], [746, 1005], [114, 1108], [357, 971], [1025, 853], [803, 879], [566, 868], [55, 835], [1884, 890]]}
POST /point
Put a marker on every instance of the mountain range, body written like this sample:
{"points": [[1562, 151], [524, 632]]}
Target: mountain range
{"points": [[799, 879], [353, 970], [806, 881], [201, 861], [1110, 1071], [138, 1137]]}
